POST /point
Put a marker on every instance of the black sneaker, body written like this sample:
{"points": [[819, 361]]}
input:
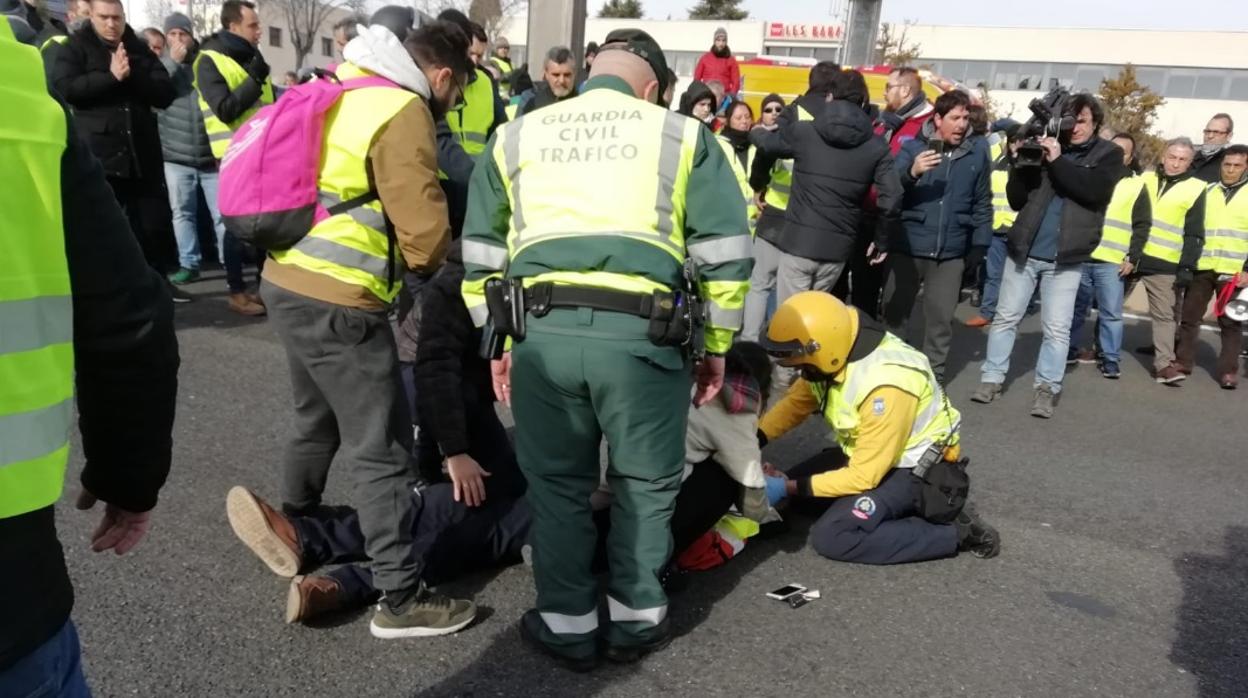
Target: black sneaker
{"points": [[975, 536], [580, 665], [179, 296]]}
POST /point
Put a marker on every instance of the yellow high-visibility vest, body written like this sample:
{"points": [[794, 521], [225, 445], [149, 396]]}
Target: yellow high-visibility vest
{"points": [[1226, 231], [781, 186], [742, 173], [36, 308], [893, 363], [352, 247], [1165, 239], [471, 123], [1003, 216], [1116, 235], [219, 132], [504, 69]]}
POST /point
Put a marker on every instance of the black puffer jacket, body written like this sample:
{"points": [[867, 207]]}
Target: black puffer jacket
{"points": [[114, 117], [452, 380], [1085, 176], [182, 136], [836, 159]]}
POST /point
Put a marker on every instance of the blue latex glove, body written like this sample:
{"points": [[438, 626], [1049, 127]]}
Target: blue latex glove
{"points": [[776, 489]]}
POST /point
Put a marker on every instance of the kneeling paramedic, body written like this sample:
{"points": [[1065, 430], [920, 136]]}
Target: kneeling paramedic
{"points": [[900, 496], [590, 209]]}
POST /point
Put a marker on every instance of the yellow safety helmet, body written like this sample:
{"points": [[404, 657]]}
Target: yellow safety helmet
{"points": [[813, 329]]}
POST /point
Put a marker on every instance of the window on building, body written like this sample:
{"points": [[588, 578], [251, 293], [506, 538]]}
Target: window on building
{"points": [[978, 73], [1180, 84], [1062, 74], [327, 46], [1210, 84], [828, 54], [1152, 78], [1030, 76], [954, 70], [275, 37], [682, 62], [1005, 77], [1239, 86], [1089, 77]]}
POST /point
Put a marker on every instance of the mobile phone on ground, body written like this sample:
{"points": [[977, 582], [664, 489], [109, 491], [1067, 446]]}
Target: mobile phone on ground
{"points": [[785, 591], [937, 146]]}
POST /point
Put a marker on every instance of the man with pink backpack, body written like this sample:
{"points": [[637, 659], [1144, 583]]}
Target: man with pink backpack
{"points": [[338, 181]]}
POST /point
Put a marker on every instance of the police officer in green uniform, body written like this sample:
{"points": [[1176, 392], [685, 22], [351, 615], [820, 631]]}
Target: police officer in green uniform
{"points": [[595, 205]]}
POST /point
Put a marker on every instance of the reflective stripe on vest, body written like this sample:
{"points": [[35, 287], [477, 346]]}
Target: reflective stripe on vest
{"points": [[59, 39], [1116, 235], [742, 173], [471, 123], [218, 131], [1226, 231], [1165, 239], [352, 247], [893, 363], [36, 310], [1003, 216]]}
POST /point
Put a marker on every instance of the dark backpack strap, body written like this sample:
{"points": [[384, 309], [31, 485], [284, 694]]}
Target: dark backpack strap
{"points": [[353, 202]]}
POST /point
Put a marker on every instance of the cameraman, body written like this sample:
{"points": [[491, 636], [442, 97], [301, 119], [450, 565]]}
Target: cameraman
{"points": [[1061, 209]]}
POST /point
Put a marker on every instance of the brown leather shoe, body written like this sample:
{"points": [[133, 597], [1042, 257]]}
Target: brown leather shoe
{"points": [[312, 596], [242, 304], [978, 321], [1229, 382], [269, 534], [254, 297], [1170, 375]]}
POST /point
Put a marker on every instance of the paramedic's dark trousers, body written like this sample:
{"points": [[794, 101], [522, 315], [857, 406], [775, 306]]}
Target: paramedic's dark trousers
{"points": [[877, 527], [450, 538], [344, 373]]}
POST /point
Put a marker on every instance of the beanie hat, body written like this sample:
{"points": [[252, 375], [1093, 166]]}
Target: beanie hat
{"points": [[773, 97], [177, 20], [720, 31]]}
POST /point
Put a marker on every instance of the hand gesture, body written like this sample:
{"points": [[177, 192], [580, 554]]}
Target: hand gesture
{"points": [[874, 256], [1052, 149], [709, 374], [500, 372], [469, 479], [1126, 269], [119, 530], [119, 66], [927, 160], [178, 49]]}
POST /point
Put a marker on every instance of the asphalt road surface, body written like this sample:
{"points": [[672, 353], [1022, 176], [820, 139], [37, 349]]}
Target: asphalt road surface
{"points": [[1123, 572]]}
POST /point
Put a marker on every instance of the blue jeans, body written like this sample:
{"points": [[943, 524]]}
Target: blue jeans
{"points": [[994, 265], [183, 183], [1101, 282], [53, 669], [1059, 284]]}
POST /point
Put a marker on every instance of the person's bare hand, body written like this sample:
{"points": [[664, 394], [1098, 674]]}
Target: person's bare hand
{"points": [[875, 257], [500, 372], [1241, 279], [469, 479], [927, 160], [1126, 269], [1052, 149], [178, 49], [119, 530], [760, 200], [773, 471], [709, 374], [119, 65]]}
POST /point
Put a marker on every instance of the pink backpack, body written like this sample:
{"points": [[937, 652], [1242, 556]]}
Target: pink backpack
{"points": [[268, 195]]}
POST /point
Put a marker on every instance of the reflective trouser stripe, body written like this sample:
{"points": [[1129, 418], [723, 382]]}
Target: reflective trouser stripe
{"points": [[621, 613], [729, 248], [727, 318], [485, 255], [564, 624]]}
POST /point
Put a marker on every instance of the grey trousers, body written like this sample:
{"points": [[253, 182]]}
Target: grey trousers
{"points": [[796, 274], [344, 373], [941, 282], [1165, 317], [762, 281]]}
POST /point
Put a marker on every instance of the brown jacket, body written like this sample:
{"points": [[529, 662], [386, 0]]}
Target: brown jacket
{"points": [[403, 165]]}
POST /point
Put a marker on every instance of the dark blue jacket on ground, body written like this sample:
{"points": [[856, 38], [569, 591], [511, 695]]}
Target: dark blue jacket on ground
{"points": [[947, 210]]}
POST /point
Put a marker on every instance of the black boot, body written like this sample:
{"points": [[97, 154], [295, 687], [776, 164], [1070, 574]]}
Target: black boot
{"points": [[975, 536]]}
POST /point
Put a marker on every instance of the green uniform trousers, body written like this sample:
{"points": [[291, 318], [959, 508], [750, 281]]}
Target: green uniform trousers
{"points": [[579, 376]]}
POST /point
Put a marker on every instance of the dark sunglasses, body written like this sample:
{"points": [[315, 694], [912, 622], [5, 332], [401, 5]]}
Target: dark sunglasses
{"points": [[772, 110]]}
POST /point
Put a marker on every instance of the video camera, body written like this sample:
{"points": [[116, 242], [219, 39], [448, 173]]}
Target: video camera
{"points": [[1048, 119]]}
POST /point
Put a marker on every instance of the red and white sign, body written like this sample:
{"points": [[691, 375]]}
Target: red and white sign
{"points": [[805, 32]]}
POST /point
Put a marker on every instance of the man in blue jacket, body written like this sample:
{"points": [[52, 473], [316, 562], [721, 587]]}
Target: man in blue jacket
{"points": [[946, 217]]}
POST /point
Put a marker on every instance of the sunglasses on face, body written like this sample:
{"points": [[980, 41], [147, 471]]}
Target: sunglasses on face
{"points": [[772, 110]]}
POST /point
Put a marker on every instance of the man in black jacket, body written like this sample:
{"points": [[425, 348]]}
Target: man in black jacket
{"points": [[126, 363], [556, 84], [190, 167], [1207, 163], [112, 81], [229, 100], [1061, 211], [836, 159]]}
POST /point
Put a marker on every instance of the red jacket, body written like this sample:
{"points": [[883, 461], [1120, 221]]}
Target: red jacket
{"points": [[725, 70], [908, 131]]}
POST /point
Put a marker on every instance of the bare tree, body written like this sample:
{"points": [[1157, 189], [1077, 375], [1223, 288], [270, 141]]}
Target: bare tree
{"points": [[205, 16], [893, 48], [304, 19]]}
